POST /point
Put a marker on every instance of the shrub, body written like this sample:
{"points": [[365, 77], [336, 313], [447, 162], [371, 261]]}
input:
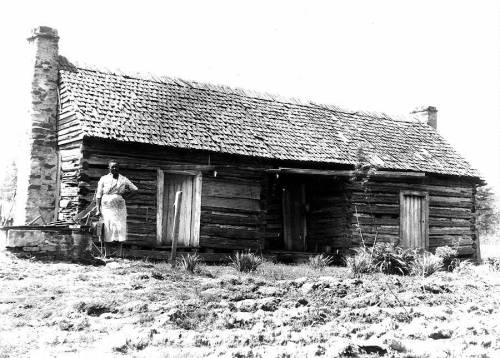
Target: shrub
{"points": [[190, 262], [426, 264], [245, 261], [448, 256], [361, 262], [319, 262], [390, 259]]}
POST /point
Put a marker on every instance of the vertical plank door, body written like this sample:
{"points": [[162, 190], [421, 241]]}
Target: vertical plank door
{"points": [[294, 218], [414, 212], [172, 184]]}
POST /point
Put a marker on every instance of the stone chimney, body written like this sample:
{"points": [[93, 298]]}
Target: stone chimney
{"points": [[37, 165], [426, 115]]}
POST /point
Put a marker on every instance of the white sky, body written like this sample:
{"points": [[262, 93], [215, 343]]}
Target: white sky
{"points": [[388, 56]]}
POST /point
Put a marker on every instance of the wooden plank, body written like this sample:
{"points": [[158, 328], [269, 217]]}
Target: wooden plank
{"points": [[175, 227], [159, 203], [196, 210]]}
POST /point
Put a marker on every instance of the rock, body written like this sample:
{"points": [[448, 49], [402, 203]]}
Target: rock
{"points": [[249, 305], [134, 306], [214, 293], [441, 334], [269, 291], [299, 281], [301, 302], [308, 287]]}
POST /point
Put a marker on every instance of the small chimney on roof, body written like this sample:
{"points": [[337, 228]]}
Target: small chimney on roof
{"points": [[427, 115]]}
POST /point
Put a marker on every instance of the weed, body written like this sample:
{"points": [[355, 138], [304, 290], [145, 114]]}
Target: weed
{"points": [[426, 264], [245, 261], [190, 262], [361, 262], [449, 257], [319, 262]]}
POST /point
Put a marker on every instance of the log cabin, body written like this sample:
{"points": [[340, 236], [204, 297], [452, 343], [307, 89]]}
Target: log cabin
{"points": [[256, 171]]}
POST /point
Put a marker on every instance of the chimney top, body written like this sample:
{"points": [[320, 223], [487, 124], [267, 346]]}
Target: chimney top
{"points": [[426, 115], [43, 31]]}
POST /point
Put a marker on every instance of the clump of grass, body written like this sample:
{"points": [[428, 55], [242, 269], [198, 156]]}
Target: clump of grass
{"points": [[448, 256], [319, 262], [245, 261], [426, 264], [493, 263], [361, 262], [96, 308], [190, 262], [465, 267]]}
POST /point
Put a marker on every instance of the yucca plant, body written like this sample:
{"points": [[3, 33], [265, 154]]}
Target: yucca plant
{"points": [[319, 262], [245, 261], [426, 264], [190, 262], [390, 259]]}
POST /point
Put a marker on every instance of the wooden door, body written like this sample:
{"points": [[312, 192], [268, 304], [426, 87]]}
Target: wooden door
{"points": [[294, 218], [189, 217], [414, 212]]}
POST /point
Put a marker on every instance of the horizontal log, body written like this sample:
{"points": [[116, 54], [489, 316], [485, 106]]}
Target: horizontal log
{"points": [[449, 241], [458, 213], [229, 231], [451, 190], [230, 203], [377, 198], [228, 244], [376, 209], [216, 188], [374, 221], [381, 229], [209, 217], [433, 230], [450, 222]]}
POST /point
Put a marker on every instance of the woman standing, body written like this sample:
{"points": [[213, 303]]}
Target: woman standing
{"points": [[111, 205]]}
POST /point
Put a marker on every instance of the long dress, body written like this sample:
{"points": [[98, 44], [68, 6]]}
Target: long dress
{"points": [[113, 208]]}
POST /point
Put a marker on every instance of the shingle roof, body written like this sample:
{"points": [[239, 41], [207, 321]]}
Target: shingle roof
{"points": [[182, 114]]}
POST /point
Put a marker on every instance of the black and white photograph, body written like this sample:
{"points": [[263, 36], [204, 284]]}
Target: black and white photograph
{"points": [[250, 179]]}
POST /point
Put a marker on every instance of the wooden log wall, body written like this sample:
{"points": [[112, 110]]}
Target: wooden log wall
{"points": [[232, 213], [375, 211], [70, 156]]}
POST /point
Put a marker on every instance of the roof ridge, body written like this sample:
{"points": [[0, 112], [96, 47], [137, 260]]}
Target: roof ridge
{"points": [[225, 89]]}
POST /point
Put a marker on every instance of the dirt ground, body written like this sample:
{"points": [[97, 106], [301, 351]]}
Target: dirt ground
{"points": [[144, 309]]}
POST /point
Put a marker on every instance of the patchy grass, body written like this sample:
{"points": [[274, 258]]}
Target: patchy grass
{"points": [[144, 309]]}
